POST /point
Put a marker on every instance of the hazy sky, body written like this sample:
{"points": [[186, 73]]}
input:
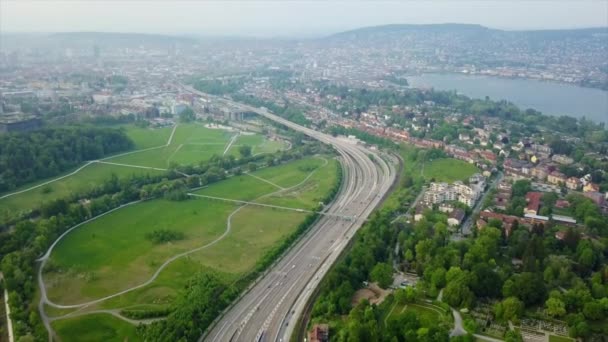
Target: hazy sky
{"points": [[289, 17]]}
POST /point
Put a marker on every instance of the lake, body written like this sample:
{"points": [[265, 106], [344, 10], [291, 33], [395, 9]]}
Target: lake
{"points": [[547, 97]]}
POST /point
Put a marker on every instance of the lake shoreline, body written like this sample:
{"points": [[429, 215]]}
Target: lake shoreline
{"points": [[549, 97]]}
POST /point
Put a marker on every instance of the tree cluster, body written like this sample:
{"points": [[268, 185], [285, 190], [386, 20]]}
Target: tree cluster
{"points": [[30, 156]]}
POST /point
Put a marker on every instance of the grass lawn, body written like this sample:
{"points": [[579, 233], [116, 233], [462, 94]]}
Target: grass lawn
{"points": [[310, 193], [427, 315], [555, 338], [112, 253], [192, 143], [95, 327], [306, 196], [292, 173], [87, 178], [448, 170], [395, 311], [164, 289], [268, 146], [148, 137], [243, 187]]}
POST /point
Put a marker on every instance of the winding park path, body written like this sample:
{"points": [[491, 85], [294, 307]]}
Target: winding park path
{"points": [[43, 260]]}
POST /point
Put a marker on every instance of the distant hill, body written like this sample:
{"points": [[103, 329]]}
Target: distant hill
{"points": [[465, 43], [459, 29], [404, 28]]}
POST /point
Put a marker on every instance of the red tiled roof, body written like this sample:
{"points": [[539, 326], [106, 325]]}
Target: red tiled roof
{"points": [[533, 199]]}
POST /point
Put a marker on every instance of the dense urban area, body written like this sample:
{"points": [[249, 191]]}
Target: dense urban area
{"points": [[173, 188]]}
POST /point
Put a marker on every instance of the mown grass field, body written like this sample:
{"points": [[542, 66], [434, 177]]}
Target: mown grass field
{"points": [[148, 137], [109, 254], [112, 253], [86, 179], [194, 143], [95, 327], [191, 143], [427, 315], [448, 170]]}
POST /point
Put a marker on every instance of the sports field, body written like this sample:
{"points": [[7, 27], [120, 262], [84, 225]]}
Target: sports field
{"points": [[111, 254], [448, 170]]}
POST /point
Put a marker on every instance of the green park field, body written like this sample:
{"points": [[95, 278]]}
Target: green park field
{"points": [[85, 179], [95, 327], [427, 313], [148, 137], [448, 170], [111, 254], [191, 143]]}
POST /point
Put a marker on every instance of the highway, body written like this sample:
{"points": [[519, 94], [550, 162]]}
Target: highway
{"points": [[269, 309]]}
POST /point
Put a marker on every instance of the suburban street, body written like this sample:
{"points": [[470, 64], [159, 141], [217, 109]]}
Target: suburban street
{"points": [[268, 311], [468, 223]]}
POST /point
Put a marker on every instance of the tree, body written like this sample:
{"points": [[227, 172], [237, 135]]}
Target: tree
{"points": [[593, 310], [521, 188], [187, 115], [458, 294], [510, 308], [527, 286], [383, 274], [252, 167], [245, 151], [555, 307], [486, 283]]}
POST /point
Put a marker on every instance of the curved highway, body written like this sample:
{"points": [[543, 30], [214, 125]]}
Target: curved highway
{"points": [[269, 310]]}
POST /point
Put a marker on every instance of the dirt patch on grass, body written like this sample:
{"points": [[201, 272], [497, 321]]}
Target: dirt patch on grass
{"points": [[373, 293]]}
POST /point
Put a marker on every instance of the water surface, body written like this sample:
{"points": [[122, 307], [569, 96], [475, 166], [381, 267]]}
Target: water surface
{"points": [[547, 97]]}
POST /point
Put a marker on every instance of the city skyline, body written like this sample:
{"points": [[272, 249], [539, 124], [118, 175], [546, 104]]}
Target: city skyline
{"points": [[297, 18]]}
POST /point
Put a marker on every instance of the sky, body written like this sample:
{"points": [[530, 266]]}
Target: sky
{"points": [[289, 17]]}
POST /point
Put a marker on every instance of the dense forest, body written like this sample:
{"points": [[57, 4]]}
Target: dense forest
{"points": [[31, 156]]}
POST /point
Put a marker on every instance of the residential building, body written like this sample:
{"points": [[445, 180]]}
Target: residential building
{"points": [[573, 183], [591, 187], [533, 202], [539, 172], [455, 218], [458, 191], [562, 159], [556, 178]]}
